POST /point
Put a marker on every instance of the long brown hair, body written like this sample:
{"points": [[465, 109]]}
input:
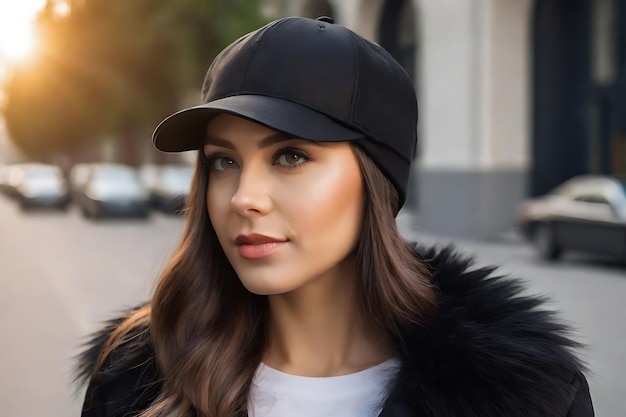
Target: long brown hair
{"points": [[209, 332]]}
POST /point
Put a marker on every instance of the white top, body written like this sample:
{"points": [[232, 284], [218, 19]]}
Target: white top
{"points": [[361, 394]]}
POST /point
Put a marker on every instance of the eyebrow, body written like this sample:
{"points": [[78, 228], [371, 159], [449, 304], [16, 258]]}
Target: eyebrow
{"points": [[264, 143]]}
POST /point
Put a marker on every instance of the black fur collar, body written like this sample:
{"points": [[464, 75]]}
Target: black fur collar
{"points": [[489, 351]]}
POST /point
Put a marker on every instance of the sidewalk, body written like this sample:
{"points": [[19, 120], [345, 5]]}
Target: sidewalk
{"points": [[409, 228]]}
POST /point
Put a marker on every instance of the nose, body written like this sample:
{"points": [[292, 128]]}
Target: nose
{"points": [[252, 196]]}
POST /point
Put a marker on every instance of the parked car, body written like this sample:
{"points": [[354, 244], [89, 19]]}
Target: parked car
{"points": [[112, 189], [149, 174], [4, 173], [170, 189], [78, 177], [39, 185], [9, 177], [586, 213]]}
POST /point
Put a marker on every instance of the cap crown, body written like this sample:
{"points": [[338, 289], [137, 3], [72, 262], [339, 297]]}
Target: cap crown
{"points": [[327, 68]]}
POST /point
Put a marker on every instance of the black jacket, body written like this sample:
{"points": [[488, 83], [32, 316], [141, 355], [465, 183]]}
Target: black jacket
{"points": [[490, 351]]}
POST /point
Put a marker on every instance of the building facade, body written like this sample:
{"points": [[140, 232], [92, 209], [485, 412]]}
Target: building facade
{"points": [[515, 97]]}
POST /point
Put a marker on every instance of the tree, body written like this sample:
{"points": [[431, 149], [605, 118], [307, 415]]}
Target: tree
{"points": [[116, 68]]}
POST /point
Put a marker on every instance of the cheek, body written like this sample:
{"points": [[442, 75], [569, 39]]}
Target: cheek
{"points": [[329, 206], [218, 204]]}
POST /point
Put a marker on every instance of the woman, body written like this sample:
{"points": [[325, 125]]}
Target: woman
{"points": [[292, 293]]}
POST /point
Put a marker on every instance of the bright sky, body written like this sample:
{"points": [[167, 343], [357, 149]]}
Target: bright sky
{"points": [[16, 29]]}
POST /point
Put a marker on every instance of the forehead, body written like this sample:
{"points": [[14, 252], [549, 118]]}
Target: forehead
{"points": [[228, 131]]}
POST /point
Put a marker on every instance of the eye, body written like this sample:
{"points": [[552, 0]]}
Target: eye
{"points": [[290, 157], [221, 163]]}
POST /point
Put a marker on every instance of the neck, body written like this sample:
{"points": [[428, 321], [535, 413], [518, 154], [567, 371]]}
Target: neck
{"points": [[319, 331]]}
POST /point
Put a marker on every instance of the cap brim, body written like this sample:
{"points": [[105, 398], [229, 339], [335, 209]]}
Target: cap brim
{"points": [[186, 129]]}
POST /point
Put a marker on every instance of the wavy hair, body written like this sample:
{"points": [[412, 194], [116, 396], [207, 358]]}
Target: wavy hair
{"points": [[209, 332]]}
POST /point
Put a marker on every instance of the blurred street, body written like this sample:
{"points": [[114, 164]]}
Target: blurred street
{"points": [[518, 100], [61, 275]]}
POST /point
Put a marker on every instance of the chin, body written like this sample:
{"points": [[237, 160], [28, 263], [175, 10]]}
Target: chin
{"points": [[266, 286]]}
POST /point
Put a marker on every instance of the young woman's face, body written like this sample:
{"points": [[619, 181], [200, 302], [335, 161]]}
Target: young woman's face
{"points": [[286, 211]]}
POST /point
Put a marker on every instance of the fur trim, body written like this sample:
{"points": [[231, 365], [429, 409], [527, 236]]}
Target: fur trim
{"points": [[128, 380], [489, 351], [88, 358]]}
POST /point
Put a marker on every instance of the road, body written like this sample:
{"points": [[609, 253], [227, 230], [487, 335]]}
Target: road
{"points": [[61, 275]]}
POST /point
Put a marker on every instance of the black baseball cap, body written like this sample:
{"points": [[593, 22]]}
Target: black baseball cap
{"points": [[312, 79]]}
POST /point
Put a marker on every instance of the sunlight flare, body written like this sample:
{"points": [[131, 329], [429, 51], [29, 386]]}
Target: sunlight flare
{"points": [[17, 33]]}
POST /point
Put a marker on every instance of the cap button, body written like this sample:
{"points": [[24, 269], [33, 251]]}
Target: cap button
{"points": [[326, 19]]}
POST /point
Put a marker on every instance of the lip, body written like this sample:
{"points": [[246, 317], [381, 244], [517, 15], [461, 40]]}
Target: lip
{"points": [[257, 246], [256, 239]]}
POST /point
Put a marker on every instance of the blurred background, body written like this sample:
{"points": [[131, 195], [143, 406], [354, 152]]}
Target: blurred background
{"points": [[521, 158]]}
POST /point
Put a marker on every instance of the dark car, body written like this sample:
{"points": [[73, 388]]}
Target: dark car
{"points": [[170, 188], [112, 190], [39, 185], [4, 176], [8, 178], [77, 179], [586, 213]]}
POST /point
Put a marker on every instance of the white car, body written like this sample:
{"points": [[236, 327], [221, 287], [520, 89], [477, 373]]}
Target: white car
{"points": [[586, 213], [111, 190], [39, 185], [171, 188]]}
